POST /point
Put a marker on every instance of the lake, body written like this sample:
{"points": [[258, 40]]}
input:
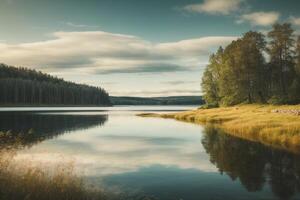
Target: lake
{"points": [[112, 148]]}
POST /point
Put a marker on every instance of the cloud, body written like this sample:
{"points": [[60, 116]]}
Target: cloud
{"points": [[148, 140], [99, 52], [151, 68], [109, 83], [105, 154], [71, 24], [223, 7], [178, 82], [260, 18], [192, 47], [295, 20]]}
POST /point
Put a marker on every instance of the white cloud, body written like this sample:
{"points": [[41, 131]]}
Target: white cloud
{"points": [[102, 52], [260, 18], [190, 46], [295, 20], [71, 24], [179, 82], [223, 7]]}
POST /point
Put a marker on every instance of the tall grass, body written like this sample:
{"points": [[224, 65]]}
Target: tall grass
{"points": [[28, 180], [23, 180], [253, 122]]}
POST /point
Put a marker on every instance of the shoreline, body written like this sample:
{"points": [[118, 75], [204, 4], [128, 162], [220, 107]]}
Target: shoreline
{"points": [[277, 126]]}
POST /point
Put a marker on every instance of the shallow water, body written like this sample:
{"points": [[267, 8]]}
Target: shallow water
{"points": [[164, 158]]}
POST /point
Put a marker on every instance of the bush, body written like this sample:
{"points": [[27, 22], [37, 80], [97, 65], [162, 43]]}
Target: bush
{"points": [[210, 105], [277, 100]]}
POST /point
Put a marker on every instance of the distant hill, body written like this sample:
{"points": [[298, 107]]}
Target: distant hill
{"points": [[172, 100]]}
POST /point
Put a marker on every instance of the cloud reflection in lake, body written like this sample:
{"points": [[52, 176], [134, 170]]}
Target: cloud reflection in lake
{"points": [[126, 144]]}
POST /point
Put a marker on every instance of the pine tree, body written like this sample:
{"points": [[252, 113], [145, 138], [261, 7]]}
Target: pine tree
{"points": [[281, 59], [29, 87], [240, 74], [210, 85]]}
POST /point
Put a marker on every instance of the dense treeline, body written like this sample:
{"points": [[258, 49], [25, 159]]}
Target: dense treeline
{"points": [[255, 69], [21, 86], [172, 100]]}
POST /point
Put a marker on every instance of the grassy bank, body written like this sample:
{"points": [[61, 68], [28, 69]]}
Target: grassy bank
{"points": [[272, 125]]}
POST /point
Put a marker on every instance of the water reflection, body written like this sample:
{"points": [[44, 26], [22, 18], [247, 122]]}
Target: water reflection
{"points": [[34, 127], [165, 158], [125, 144], [255, 165]]}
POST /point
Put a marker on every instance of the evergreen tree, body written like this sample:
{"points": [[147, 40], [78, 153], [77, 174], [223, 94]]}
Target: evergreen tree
{"points": [[29, 87], [294, 92], [298, 57], [240, 73], [210, 85], [234, 75], [281, 59]]}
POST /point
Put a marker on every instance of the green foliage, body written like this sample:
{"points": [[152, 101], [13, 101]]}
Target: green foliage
{"points": [[277, 100], [240, 74], [21, 86], [210, 79], [281, 55], [298, 57], [208, 106], [172, 100]]}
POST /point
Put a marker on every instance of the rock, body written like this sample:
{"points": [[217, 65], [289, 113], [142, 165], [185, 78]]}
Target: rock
{"points": [[292, 112]]}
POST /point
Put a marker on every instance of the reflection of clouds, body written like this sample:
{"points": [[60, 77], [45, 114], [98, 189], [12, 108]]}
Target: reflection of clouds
{"points": [[126, 144], [149, 140]]}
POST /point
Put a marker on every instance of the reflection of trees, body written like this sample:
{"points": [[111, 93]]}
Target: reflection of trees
{"points": [[31, 128], [253, 164], [284, 174]]}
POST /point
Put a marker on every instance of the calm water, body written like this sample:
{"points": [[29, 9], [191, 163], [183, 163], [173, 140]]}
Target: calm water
{"points": [[167, 159]]}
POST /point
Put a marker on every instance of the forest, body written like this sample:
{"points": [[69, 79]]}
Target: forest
{"points": [[171, 100], [22, 86], [255, 69]]}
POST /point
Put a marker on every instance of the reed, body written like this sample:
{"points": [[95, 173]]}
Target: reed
{"points": [[25, 181]]}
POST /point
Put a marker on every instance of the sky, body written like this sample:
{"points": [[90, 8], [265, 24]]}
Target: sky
{"points": [[131, 47]]}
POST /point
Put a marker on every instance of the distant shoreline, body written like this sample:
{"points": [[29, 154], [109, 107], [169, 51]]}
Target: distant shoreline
{"points": [[163, 100], [129, 101]]}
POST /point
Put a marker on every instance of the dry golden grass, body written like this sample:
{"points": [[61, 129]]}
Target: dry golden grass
{"points": [[253, 122], [24, 181], [31, 180]]}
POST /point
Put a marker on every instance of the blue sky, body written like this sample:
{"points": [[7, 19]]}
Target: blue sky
{"points": [[131, 47]]}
